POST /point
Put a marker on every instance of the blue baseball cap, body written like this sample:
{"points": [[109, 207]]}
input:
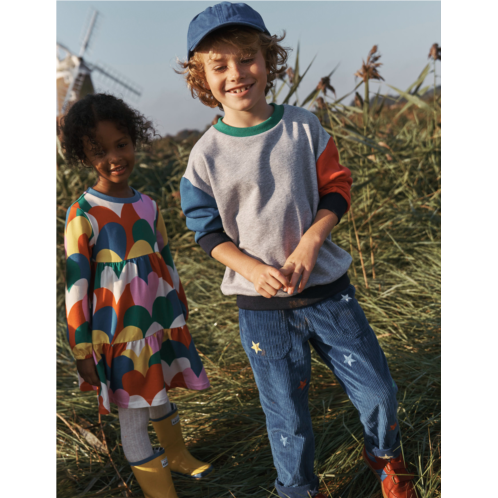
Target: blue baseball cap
{"points": [[219, 15]]}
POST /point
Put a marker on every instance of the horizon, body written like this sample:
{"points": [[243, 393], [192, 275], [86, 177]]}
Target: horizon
{"points": [[141, 41]]}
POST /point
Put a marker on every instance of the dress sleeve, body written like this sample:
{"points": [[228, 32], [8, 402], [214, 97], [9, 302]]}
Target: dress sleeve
{"points": [[164, 249], [77, 235]]}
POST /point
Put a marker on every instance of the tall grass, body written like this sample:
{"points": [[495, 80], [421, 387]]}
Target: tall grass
{"points": [[393, 233]]}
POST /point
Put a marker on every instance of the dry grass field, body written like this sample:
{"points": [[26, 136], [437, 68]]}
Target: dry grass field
{"points": [[393, 233]]}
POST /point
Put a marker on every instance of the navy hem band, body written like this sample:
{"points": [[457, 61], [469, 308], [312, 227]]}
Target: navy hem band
{"points": [[209, 241], [145, 460], [309, 296], [174, 409], [334, 202]]}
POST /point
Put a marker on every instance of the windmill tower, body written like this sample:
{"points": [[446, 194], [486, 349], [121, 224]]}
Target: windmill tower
{"points": [[74, 74]]}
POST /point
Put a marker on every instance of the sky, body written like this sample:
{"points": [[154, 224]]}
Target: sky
{"points": [[142, 41]]}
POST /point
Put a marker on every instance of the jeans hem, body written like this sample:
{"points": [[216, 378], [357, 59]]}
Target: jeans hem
{"points": [[304, 491], [383, 453]]}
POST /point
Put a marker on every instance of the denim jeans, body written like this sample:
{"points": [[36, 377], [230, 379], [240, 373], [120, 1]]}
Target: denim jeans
{"points": [[278, 346]]}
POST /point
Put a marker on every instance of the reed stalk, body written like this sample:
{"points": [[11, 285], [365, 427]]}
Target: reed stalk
{"points": [[359, 249], [435, 55], [370, 236], [351, 251], [366, 105]]}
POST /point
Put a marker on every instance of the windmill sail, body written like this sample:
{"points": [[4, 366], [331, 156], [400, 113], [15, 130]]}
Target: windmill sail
{"points": [[88, 35], [112, 75], [74, 74]]}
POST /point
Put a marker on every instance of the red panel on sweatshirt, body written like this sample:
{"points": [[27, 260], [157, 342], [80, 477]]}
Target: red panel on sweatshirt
{"points": [[332, 177]]}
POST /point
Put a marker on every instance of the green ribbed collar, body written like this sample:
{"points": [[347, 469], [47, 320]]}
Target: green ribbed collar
{"points": [[250, 131]]}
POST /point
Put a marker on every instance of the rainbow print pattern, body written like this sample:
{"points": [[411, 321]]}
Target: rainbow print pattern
{"points": [[125, 304]]}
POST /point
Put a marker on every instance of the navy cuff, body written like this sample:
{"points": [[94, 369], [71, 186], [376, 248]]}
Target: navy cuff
{"points": [[209, 241], [334, 202]]}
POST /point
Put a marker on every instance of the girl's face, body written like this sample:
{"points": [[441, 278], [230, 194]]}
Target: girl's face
{"points": [[238, 83], [112, 154]]}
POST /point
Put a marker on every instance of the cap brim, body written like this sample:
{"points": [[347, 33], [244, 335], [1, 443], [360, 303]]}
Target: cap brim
{"points": [[231, 23]]}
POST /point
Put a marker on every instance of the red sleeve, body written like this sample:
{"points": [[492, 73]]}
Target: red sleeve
{"points": [[332, 177]]}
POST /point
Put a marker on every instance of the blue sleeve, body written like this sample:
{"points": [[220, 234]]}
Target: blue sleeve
{"points": [[202, 216]]}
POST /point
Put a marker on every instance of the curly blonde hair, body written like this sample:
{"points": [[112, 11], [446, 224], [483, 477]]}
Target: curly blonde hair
{"points": [[248, 41]]}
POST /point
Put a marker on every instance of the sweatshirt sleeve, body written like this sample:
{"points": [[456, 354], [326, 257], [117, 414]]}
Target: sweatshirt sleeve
{"points": [[164, 249], [334, 180], [202, 216], [77, 234]]}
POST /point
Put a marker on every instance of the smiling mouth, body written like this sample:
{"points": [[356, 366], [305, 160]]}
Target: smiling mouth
{"points": [[240, 90], [118, 171]]}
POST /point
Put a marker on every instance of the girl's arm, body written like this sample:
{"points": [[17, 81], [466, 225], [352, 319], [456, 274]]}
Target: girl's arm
{"points": [[164, 249], [77, 235]]}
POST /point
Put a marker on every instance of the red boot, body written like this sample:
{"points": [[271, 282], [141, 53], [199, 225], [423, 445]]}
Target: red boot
{"points": [[395, 480]]}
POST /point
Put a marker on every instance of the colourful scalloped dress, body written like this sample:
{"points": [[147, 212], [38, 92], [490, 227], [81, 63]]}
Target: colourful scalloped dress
{"points": [[125, 304]]}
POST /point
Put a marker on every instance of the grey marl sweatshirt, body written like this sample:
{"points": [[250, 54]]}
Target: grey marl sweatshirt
{"points": [[261, 188]]}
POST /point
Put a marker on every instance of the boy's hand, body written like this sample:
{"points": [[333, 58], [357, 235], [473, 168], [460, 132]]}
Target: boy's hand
{"points": [[267, 280], [301, 263], [86, 369]]}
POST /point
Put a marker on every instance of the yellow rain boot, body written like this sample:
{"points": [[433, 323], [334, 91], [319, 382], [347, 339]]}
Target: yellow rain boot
{"points": [[154, 476], [169, 432]]}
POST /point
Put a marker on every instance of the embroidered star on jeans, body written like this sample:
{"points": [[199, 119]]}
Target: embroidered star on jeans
{"points": [[283, 439], [255, 347], [346, 298], [348, 359]]}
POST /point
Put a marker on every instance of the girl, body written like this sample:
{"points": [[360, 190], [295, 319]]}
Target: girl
{"points": [[125, 304]]}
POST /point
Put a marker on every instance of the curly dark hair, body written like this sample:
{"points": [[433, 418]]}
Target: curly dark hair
{"points": [[82, 118]]}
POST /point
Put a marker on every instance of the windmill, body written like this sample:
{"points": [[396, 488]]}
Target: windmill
{"points": [[74, 74]]}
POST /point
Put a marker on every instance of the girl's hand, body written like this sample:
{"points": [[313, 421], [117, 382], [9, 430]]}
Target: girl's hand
{"points": [[267, 280], [86, 369], [301, 263]]}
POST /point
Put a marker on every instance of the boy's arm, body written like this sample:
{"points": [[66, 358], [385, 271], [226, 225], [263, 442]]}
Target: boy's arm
{"points": [[334, 188], [303, 259], [334, 180], [203, 217], [267, 280]]}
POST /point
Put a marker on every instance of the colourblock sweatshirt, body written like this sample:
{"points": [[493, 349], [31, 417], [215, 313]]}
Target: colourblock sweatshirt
{"points": [[261, 188]]}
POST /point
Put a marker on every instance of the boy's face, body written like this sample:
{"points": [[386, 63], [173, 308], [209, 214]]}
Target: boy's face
{"points": [[237, 82]]}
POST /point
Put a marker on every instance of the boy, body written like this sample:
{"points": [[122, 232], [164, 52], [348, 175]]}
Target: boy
{"points": [[262, 190]]}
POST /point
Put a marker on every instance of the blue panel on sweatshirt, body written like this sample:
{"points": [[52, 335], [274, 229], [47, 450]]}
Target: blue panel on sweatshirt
{"points": [[200, 210]]}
